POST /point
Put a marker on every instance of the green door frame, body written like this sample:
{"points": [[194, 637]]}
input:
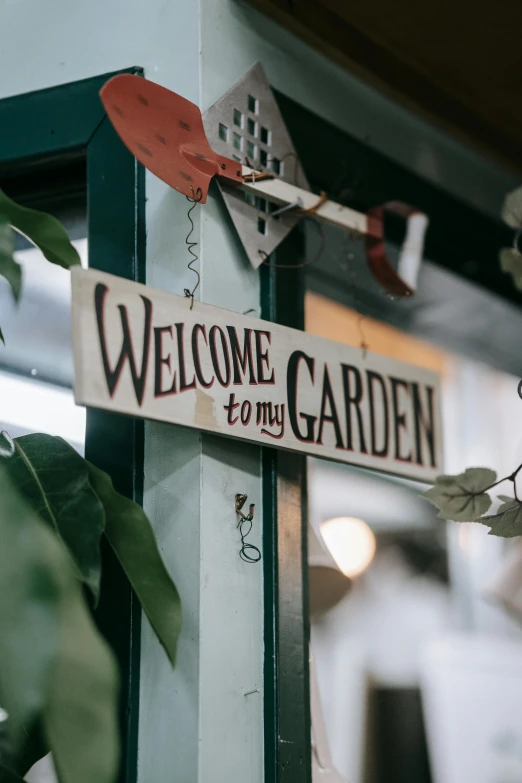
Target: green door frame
{"points": [[49, 129], [285, 545]]}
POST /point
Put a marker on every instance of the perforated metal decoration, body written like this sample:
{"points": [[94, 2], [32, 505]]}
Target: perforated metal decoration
{"points": [[245, 124], [253, 159]]}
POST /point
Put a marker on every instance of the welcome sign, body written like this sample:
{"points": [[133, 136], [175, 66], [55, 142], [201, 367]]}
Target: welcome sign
{"points": [[146, 353]]}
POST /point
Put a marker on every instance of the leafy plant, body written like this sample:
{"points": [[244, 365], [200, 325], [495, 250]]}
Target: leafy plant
{"points": [[9, 268], [511, 264], [58, 677], [510, 258], [55, 482], [43, 230], [465, 498], [55, 669]]}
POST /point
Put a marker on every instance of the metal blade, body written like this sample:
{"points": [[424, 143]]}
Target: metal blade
{"points": [[164, 131]]}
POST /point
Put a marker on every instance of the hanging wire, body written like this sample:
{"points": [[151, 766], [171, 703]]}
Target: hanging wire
{"points": [[364, 345], [309, 261], [255, 557], [346, 185], [248, 552], [269, 160], [360, 316], [196, 198], [348, 268], [309, 214]]}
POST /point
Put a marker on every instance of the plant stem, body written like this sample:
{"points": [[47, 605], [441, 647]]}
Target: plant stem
{"points": [[512, 478]]}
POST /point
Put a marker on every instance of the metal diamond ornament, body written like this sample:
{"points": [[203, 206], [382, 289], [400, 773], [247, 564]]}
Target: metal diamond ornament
{"points": [[252, 157], [245, 124]]}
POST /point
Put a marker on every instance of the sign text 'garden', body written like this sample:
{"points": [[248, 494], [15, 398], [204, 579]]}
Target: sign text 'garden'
{"points": [[146, 353]]}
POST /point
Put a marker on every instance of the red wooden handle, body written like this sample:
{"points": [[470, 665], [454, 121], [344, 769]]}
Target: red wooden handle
{"points": [[381, 267]]}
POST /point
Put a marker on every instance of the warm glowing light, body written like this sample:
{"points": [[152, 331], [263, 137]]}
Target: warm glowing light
{"points": [[350, 542]]}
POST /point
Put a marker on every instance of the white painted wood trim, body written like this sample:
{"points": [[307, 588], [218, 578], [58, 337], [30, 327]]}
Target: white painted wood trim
{"points": [[283, 193], [332, 213], [323, 769]]}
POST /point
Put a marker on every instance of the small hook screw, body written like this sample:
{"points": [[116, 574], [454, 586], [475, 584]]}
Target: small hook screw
{"points": [[248, 552]]}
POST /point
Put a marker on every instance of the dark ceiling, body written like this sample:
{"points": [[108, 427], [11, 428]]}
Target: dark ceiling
{"points": [[458, 64]]}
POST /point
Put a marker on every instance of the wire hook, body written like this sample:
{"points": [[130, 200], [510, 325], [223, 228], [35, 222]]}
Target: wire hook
{"points": [[248, 552]]}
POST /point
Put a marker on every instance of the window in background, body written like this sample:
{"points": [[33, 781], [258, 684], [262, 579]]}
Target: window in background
{"points": [[428, 579], [36, 364]]}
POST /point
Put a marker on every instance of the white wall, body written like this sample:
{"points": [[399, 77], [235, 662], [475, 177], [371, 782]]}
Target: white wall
{"points": [[381, 630], [196, 723]]}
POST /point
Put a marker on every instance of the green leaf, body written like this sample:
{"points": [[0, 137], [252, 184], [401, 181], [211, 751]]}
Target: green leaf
{"points": [[53, 661], [6, 776], [81, 716], [9, 268], [43, 230], [29, 610], [511, 263], [33, 748], [131, 536], [54, 479], [507, 522], [462, 498], [512, 208]]}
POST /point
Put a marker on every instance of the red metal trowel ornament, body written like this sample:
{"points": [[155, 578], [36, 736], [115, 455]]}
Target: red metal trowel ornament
{"points": [[165, 132]]}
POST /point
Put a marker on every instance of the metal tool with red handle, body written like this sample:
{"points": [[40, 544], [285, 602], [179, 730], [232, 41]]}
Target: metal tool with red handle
{"points": [[165, 132]]}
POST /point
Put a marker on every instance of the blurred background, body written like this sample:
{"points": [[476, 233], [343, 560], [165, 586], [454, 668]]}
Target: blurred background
{"points": [[416, 627], [416, 630]]}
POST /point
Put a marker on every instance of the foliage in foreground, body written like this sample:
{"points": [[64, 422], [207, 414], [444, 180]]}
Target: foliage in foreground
{"points": [[43, 230], [58, 677]]}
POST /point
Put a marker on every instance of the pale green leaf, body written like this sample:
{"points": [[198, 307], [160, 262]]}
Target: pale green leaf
{"points": [[506, 500], [507, 522], [131, 536], [9, 268], [29, 609], [52, 663], [43, 230], [81, 717], [462, 498], [54, 480], [512, 208], [511, 263]]}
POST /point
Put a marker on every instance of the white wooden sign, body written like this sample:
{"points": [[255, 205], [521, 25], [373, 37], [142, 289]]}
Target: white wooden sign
{"points": [[146, 353]]}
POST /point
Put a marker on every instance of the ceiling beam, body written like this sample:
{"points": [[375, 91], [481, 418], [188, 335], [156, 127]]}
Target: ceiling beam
{"points": [[350, 47]]}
